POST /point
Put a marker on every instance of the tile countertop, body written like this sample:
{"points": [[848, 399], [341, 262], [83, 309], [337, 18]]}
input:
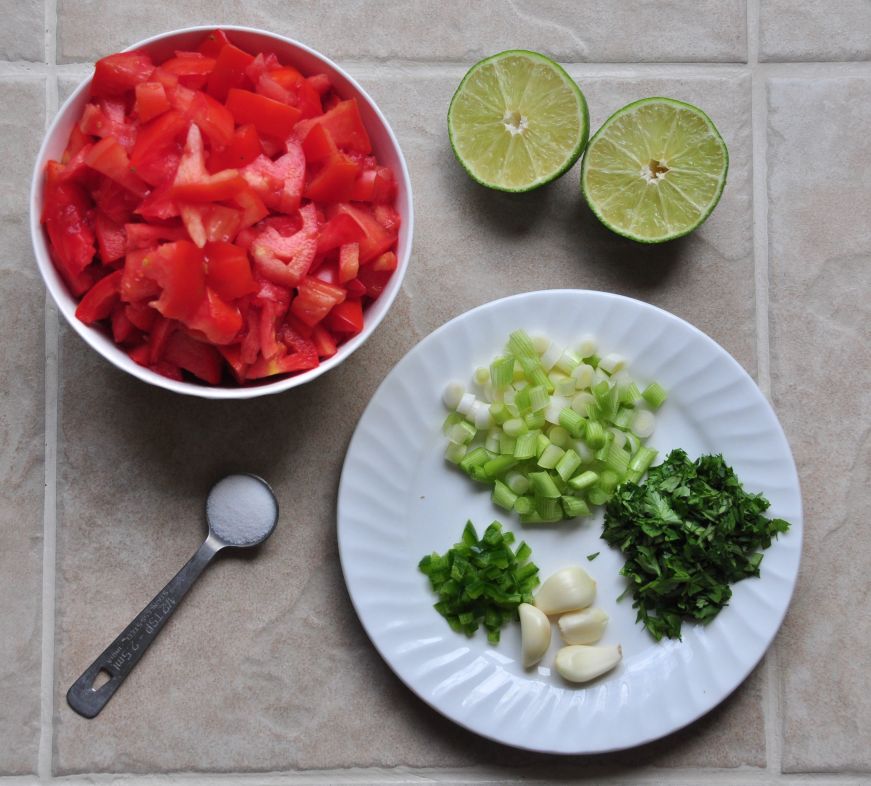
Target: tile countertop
{"points": [[283, 680]]}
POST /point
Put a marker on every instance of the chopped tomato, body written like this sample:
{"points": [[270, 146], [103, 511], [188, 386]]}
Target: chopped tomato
{"points": [[111, 238], [229, 71], [110, 159], [345, 125], [346, 317], [101, 298], [201, 360], [268, 116], [116, 74], [314, 300], [213, 43], [228, 270], [151, 100], [221, 210]]}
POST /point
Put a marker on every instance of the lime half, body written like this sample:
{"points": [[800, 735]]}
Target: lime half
{"points": [[655, 170], [517, 121]]}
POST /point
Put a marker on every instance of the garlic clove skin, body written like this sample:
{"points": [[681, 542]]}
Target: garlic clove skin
{"points": [[583, 627], [580, 663], [534, 634], [568, 589]]}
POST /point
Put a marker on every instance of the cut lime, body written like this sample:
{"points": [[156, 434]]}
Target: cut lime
{"points": [[655, 170], [517, 121]]}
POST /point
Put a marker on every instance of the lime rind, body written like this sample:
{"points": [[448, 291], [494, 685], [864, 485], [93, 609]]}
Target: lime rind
{"points": [[678, 198], [512, 146]]}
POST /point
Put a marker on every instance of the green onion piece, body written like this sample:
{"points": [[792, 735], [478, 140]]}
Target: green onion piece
{"points": [[503, 496], [462, 433], [455, 453], [514, 427], [617, 460], [522, 400], [517, 482], [520, 344], [629, 394], [559, 436], [525, 446], [623, 418], [497, 467], [654, 395], [541, 444], [593, 556], [597, 496], [592, 360], [534, 419], [506, 444], [567, 464], [595, 434], [524, 505], [572, 422], [451, 420], [538, 398], [474, 458], [639, 463], [543, 485], [482, 375], [602, 452], [574, 506], [550, 457], [608, 480], [565, 387], [584, 480], [549, 509], [568, 362], [492, 441], [536, 375], [499, 412], [531, 518]]}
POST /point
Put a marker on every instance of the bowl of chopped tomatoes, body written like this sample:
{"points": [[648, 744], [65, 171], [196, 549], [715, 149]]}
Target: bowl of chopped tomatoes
{"points": [[221, 212]]}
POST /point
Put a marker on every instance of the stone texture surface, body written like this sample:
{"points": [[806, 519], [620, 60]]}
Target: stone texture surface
{"points": [[820, 269], [22, 34], [790, 30], [265, 667], [597, 31], [22, 320]]}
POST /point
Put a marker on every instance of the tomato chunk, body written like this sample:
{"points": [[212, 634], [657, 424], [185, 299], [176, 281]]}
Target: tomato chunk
{"points": [[151, 100], [201, 360], [228, 270], [229, 71], [315, 299], [346, 317], [66, 219], [116, 74], [345, 125], [110, 159], [179, 271], [268, 116], [100, 299]]}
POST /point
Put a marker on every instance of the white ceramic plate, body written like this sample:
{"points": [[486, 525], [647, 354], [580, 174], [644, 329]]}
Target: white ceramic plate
{"points": [[399, 500]]}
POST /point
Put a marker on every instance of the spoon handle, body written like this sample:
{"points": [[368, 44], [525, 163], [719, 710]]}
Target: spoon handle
{"points": [[119, 658]]}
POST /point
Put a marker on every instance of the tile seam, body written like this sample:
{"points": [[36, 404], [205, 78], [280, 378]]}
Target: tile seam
{"points": [[49, 514]]}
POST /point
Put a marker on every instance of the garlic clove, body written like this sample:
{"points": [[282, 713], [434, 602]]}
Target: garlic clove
{"points": [[583, 627], [580, 663], [568, 589], [534, 634]]}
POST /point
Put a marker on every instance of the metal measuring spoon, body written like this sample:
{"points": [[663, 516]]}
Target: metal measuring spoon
{"points": [[242, 512]]}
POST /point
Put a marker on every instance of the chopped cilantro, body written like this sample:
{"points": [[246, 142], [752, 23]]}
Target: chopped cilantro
{"points": [[688, 532]]}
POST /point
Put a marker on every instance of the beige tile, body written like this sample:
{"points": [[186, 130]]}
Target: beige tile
{"points": [[791, 30], [22, 34], [265, 666], [636, 30], [22, 414], [820, 271]]}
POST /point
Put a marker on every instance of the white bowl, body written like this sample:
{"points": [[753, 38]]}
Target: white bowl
{"points": [[306, 60]]}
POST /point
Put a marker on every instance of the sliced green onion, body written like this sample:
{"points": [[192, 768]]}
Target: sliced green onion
{"points": [[612, 363], [541, 344], [617, 459], [550, 457], [654, 395], [572, 422], [497, 467], [462, 432], [520, 345], [514, 427], [548, 509], [568, 362], [451, 420], [455, 453], [623, 418], [534, 420], [517, 482], [602, 452], [559, 436], [474, 458], [640, 463], [525, 445], [452, 395], [608, 481], [629, 394], [502, 372], [574, 506], [524, 505], [564, 387], [597, 496], [541, 444], [499, 412], [587, 347], [506, 444], [584, 480], [543, 485], [595, 434], [492, 441], [503, 496], [581, 402], [522, 399], [567, 464], [643, 423], [482, 375]]}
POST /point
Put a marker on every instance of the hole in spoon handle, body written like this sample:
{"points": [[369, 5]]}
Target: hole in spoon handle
{"points": [[88, 695]]}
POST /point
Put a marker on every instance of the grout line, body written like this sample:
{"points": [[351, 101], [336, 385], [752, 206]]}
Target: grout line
{"points": [[49, 528], [771, 698]]}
